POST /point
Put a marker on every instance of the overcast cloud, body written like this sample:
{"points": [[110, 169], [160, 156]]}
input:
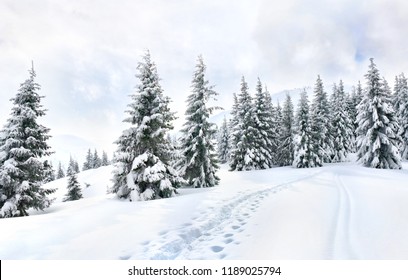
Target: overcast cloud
{"points": [[86, 52]]}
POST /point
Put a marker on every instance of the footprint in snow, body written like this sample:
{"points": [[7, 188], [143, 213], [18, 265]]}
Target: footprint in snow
{"points": [[217, 249], [228, 241]]}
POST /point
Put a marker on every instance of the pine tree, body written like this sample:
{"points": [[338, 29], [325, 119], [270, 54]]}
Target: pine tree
{"points": [[72, 166], [105, 160], [49, 172], [265, 140], [60, 172], [398, 99], [278, 131], [74, 188], [88, 164], [76, 166], [377, 127], [23, 142], [142, 170], [232, 124], [199, 163], [320, 125], [176, 153], [286, 141], [304, 156], [96, 160], [402, 113], [342, 128], [243, 133], [224, 142]]}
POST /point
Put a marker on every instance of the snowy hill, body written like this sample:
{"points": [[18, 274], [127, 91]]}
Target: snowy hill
{"points": [[340, 211]]}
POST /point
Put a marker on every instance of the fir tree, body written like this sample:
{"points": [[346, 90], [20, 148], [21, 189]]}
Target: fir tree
{"points": [[232, 124], [377, 127], [399, 98], [23, 142], [105, 160], [402, 113], [88, 164], [96, 160], [176, 154], [264, 129], [72, 166], [74, 189], [243, 133], [224, 142], [320, 125], [278, 131], [304, 156], [342, 128], [286, 141], [76, 166], [199, 162], [60, 171], [49, 172], [142, 170]]}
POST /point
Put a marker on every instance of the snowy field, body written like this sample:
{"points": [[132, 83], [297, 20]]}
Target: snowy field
{"points": [[340, 211]]}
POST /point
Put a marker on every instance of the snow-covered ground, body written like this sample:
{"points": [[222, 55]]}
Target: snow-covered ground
{"points": [[340, 211]]}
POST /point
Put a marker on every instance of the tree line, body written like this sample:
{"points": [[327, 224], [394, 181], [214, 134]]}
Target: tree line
{"points": [[148, 164], [371, 121]]}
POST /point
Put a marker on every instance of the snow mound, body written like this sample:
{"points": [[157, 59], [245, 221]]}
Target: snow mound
{"points": [[339, 211]]}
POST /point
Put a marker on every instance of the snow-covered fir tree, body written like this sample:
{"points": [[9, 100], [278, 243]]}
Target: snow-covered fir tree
{"points": [[49, 172], [105, 160], [342, 128], [142, 170], [304, 156], [265, 141], [73, 166], [321, 125], [176, 154], [356, 97], [96, 160], [242, 155], [199, 162], [399, 98], [277, 114], [224, 142], [402, 114], [377, 140], [88, 164], [60, 171], [233, 122], [23, 143], [286, 137], [74, 188]]}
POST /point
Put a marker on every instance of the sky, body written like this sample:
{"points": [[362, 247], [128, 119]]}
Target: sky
{"points": [[85, 53]]}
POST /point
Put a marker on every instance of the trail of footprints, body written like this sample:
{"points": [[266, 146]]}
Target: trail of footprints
{"points": [[210, 233]]}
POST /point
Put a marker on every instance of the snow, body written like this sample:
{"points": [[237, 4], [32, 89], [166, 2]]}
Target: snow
{"points": [[339, 211]]}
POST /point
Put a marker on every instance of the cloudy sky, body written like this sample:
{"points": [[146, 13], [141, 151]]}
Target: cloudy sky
{"points": [[85, 52]]}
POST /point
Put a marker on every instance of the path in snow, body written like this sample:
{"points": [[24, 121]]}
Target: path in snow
{"points": [[311, 217], [215, 229], [342, 246]]}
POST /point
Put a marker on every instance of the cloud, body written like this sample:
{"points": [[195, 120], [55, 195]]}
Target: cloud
{"points": [[86, 51], [300, 39]]}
